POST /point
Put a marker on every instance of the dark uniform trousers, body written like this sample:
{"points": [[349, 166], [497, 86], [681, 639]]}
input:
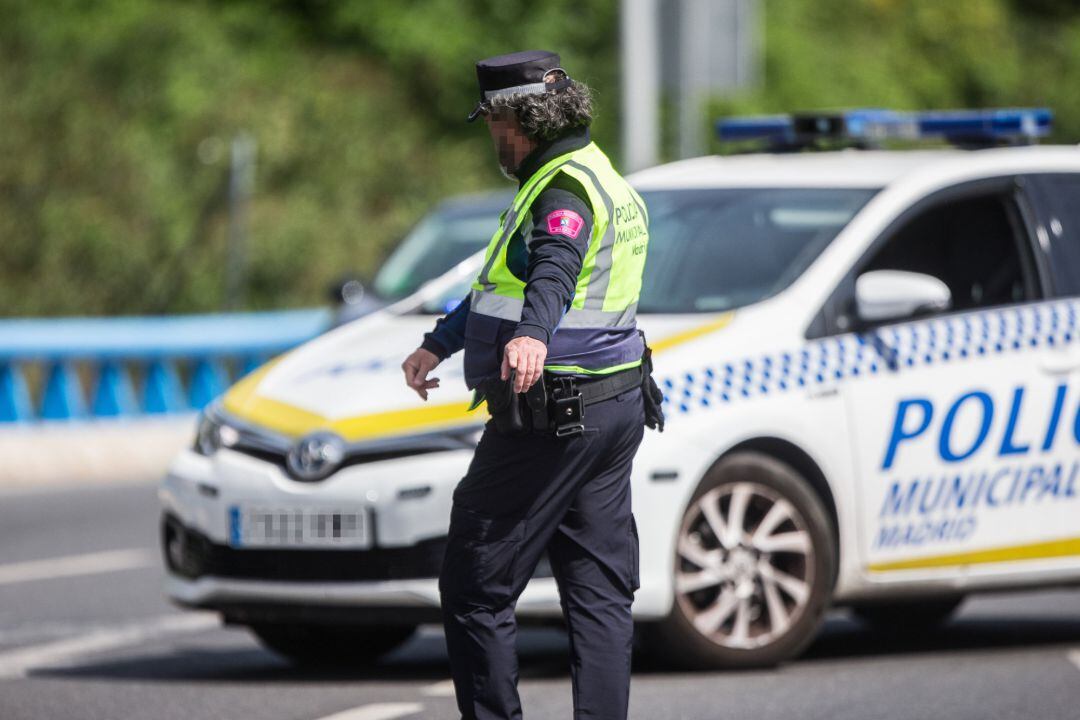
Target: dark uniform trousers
{"points": [[571, 497]]}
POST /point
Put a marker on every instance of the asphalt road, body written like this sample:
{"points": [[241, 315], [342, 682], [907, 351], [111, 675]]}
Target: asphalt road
{"points": [[85, 633]]}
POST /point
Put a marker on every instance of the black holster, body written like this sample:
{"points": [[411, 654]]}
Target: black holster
{"points": [[650, 391], [516, 414]]}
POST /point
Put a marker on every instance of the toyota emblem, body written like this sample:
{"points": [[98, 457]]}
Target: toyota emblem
{"points": [[316, 456]]}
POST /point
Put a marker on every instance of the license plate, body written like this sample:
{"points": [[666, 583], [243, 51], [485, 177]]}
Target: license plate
{"points": [[298, 527]]}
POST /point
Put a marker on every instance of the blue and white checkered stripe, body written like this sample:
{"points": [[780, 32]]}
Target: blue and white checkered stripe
{"points": [[848, 357]]}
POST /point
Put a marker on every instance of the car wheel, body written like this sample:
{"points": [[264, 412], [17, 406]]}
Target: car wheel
{"points": [[754, 568], [908, 615], [324, 645]]}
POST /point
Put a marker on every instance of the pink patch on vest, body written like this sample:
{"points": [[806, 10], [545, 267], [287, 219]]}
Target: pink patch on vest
{"points": [[565, 222]]}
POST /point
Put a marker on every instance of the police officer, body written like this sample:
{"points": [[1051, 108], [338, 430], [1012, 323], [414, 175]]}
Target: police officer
{"points": [[551, 343]]}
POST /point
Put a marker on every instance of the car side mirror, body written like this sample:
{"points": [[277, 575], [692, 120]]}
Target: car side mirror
{"points": [[346, 291], [889, 295]]}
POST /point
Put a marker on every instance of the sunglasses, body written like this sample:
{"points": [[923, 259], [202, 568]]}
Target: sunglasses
{"points": [[484, 109]]}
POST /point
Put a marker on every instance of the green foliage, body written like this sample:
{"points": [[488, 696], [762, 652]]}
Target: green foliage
{"points": [[116, 118], [918, 54]]}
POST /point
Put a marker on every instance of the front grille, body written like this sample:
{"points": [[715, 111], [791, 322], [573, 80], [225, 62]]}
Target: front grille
{"points": [[192, 555], [418, 561], [360, 458]]}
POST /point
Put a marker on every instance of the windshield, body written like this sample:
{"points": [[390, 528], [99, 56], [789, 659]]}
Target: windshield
{"points": [[434, 246], [717, 249]]}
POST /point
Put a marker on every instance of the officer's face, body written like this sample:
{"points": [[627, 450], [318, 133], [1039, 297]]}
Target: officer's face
{"points": [[511, 144]]}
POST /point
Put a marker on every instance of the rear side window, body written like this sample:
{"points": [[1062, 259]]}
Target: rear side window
{"points": [[1057, 203]]}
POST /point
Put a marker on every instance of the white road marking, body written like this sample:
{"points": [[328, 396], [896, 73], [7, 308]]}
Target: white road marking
{"points": [[16, 663], [1074, 657], [30, 633], [444, 688], [378, 711], [72, 565]]}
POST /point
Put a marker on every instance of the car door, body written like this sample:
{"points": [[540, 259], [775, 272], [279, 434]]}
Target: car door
{"points": [[962, 426]]}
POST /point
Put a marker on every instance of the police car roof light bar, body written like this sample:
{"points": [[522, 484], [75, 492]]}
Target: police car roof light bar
{"points": [[867, 127]]}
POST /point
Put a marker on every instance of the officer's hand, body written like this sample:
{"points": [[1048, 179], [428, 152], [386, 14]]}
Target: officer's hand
{"points": [[416, 367], [526, 355]]}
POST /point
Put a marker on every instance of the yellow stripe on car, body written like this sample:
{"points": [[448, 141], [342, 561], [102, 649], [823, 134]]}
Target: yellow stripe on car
{"points": [[240, 394], [395, 422], [243, 402], [1015, 553], [293, 421], [693, 333]]}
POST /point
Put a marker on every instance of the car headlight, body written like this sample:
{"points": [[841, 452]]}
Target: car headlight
{"points": [[212, 433], [207, 435]]}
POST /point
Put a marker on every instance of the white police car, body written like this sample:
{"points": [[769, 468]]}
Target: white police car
{"points": [[872, 369]]}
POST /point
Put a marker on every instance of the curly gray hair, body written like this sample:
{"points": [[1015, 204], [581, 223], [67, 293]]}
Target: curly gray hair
{"points": [[546, 116]]}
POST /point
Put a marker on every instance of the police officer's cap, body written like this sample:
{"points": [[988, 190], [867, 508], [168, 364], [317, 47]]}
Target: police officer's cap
{"points": [[520, 73]]}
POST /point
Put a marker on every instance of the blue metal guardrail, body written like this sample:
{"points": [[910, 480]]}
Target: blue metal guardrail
{"points": [[89, 367]]}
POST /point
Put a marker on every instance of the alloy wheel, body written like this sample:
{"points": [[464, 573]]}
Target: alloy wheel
{"points": [[744, 566]]}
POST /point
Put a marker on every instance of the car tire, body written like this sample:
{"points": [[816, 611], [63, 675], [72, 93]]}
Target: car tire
{"points": [[730, 611], [908, 615], [330, 645]]}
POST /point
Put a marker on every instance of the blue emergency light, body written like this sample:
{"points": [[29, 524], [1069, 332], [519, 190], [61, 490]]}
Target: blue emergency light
{"points": [[871, 126]]}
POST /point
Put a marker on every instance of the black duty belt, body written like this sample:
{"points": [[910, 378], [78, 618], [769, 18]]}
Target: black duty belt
{"points": [[599, 388], [568, 396], [555, 403]]}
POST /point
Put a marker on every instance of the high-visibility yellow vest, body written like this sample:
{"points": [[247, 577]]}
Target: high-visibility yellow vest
{"points": [[608, 286]]}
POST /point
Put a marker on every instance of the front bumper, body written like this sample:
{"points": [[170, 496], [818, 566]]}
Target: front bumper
{"points": [[191, 554], [395, 579]]}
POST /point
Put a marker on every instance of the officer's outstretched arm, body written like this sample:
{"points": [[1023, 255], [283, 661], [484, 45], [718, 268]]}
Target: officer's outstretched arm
{"points": [[449, 334]]}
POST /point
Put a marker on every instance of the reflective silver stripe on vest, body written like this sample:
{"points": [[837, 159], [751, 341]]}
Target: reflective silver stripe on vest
{"points": [[488, 303], [600, 276], [599, 318], [508, 308]]}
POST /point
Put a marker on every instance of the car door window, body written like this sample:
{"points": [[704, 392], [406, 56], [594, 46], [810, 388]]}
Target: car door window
{"points": [[976, 245]]}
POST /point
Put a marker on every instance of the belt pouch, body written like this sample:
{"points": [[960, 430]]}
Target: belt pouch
{"points": [[650, 392], [569, 408]]}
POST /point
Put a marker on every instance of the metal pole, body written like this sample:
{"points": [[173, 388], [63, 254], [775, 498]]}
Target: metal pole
{"points": [[640, 55], [716, 54], [747, 17], [693, 63], [241, 184]]}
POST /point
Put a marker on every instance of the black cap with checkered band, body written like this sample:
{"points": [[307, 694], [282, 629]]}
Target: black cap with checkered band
{"points": [[520, 73]]}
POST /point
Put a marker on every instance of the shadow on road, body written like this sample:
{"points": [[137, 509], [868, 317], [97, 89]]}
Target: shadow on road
{"points": [[842, 638], [544, 655]]}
